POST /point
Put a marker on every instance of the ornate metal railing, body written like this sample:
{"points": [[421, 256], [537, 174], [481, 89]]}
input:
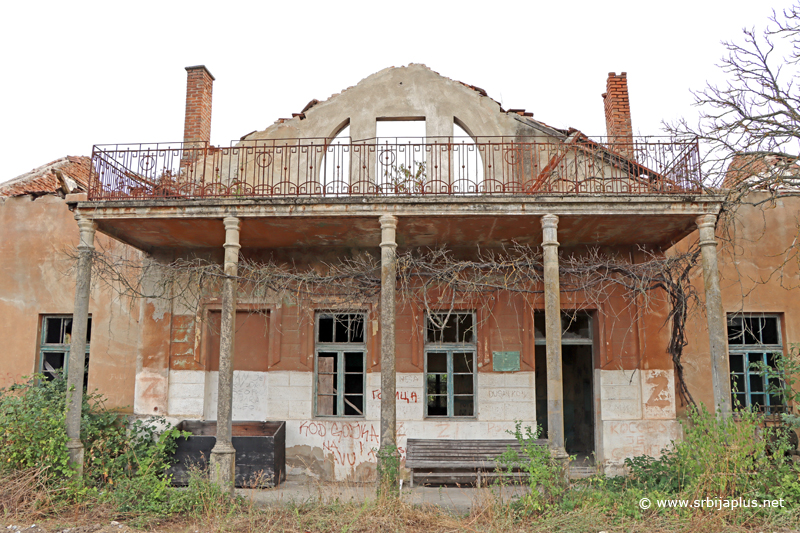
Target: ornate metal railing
{"points": [[395, 167]]}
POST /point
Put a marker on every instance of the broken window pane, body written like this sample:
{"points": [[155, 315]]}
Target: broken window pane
{"points": [[54, 347], [454, 327], [340, 373], [754, 343]]}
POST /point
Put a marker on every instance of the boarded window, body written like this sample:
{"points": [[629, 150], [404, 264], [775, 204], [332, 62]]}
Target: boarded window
{"points": [[251, 342]]}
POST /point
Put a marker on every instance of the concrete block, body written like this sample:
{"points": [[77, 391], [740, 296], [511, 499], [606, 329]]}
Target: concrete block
{"points": [[290, 394], [300, 410], [187, 376], [521, 410], [277, 410], [186, 391], [301, 379], [492, 411], [491, 380], [180, 407], [520, 379], [625, 439]]}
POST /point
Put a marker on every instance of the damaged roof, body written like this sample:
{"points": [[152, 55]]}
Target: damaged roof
{"points": [[63, 176]]}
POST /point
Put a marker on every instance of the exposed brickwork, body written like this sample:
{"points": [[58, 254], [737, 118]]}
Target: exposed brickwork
{"points": [[73, 172], [199, 83], [618, 112]]}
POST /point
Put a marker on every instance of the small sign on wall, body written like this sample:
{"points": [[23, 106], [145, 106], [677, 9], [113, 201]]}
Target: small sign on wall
{"points": [[505, 361]]}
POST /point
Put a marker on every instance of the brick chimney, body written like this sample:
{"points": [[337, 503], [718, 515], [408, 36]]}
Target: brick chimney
{"points": [[618, 113], [197, 126]]}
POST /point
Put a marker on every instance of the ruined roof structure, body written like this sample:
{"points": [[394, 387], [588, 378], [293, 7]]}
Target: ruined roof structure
{"points": [[413, 91], [63, 176]]}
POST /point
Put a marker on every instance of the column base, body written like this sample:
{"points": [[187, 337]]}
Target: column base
{"points": [[223, 467], [558, 452], [75, 449]]}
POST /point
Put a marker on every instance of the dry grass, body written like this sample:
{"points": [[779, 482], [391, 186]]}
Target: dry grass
{"points": [[25, 499]]}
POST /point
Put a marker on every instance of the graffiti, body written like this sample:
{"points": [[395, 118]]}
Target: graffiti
{"points": [[247, 389], [508, 394], [339, 431], [660, 396], [639, 427], [349, 443], [399, 395]]}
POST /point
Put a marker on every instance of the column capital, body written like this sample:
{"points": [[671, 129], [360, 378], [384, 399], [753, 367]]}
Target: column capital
{"points": [[705, 221], [232, 225], [550, 230], [550, 221], [87, 229], [707, 225], [388, 222], [388, 228]]}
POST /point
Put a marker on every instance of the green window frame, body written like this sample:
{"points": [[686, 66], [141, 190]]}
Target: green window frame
{"points": [[754, 343], [340, 365], [450, 365], [54, 346]]}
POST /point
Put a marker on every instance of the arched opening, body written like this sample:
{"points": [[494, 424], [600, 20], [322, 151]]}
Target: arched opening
{"points": [[400, 163], [335, 169], [466, 161]]}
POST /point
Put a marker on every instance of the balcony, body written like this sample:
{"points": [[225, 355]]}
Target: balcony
{"points": [[447, 166]]}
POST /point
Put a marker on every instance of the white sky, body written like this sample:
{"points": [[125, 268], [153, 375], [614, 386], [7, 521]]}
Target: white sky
{"points": [[82, 73]]}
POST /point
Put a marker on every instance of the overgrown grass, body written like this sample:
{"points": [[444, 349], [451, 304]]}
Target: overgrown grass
{"points": [[126, 464]]}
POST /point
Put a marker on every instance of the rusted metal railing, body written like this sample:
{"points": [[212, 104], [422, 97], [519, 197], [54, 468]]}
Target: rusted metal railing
{"points": [[395, 167]]}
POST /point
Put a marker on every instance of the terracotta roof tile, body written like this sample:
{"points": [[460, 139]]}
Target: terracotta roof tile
{"points": [[62, 176]]}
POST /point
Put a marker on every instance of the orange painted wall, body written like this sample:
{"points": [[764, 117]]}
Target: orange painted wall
{"points": [[34, 280], [752, 247]]}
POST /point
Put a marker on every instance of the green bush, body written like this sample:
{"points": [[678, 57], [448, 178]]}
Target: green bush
{"points": [[546, 475], [124, 464], [719, 457]]}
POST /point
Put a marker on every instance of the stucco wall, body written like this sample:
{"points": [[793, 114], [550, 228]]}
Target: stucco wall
{"points": [[758, 274], [35, 236]]}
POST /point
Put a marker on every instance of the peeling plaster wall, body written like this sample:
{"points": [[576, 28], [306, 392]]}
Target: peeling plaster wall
{"points": [[637, 413], [759, 273], [35, 280], [344, 448]]}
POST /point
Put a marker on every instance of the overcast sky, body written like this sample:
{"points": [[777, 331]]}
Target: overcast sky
{"points": [[82, 73]]}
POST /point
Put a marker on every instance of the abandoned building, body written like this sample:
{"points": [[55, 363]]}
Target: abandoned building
{"points": [[342, 180]]}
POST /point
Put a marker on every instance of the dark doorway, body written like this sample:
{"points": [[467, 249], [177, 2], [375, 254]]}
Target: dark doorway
{"points": [[578, 381]]}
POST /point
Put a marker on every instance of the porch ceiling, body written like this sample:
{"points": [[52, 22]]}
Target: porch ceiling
{"points": [[354, 223]]}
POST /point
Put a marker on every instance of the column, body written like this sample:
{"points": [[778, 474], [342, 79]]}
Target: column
{"points": [[388, 366], [77, 349], [223, 456], [717, 335], [552, 320]]}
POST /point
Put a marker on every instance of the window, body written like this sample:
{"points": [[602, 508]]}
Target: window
{"points": [[340, 364], [55, 344], [450, 364], [754, 343]]}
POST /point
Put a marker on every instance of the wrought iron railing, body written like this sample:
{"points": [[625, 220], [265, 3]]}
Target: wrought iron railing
{"points": [[395, 167]]}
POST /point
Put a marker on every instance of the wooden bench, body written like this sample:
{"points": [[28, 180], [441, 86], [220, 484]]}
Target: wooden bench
{"points": [[450, 459]]}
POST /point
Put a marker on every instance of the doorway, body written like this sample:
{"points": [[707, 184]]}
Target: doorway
{"points": [[577, 372]]}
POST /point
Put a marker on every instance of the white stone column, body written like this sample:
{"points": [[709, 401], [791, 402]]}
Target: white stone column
{"points": [[77, 348], [388, 363], [552, 320], [717, 334], [223, 455]]}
